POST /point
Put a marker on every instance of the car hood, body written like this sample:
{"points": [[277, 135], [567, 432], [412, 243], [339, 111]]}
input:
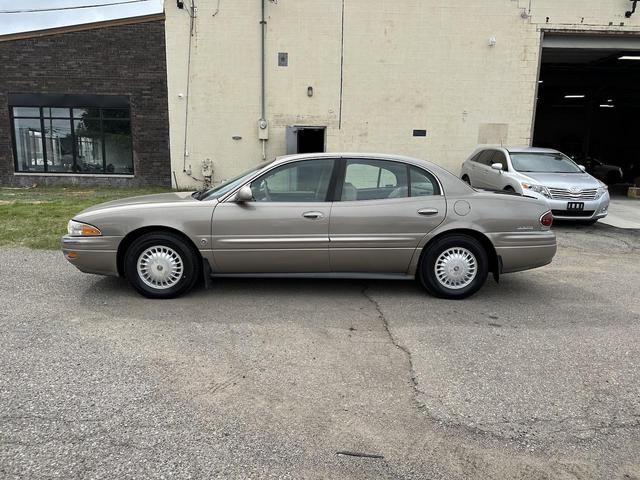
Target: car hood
{"points": [[172, 197], [563, 180]]}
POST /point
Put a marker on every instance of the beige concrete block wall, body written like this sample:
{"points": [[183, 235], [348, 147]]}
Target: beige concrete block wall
{"points": [[408, 64]]}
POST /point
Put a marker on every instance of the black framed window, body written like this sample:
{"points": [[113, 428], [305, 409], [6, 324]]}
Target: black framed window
{"points": [[66, 138]]}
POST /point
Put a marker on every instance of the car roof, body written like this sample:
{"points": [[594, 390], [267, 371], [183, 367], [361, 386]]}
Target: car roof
{"points": [[516, 149], [530, 150], [372, 156]]}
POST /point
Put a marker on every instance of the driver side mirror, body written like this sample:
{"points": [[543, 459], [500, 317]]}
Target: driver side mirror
{"points": [[582, 167], [244, 194], [497, 166]]}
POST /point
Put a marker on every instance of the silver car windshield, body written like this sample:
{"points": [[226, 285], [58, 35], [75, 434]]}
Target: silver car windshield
{"points": [[228, 185], [543, 163]]}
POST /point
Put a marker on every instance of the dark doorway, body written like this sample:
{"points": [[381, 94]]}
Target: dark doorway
{"points": [[589, 104], [305, 139]]}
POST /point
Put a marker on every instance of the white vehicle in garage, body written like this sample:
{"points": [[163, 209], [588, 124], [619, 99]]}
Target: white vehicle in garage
{"points": [[572, 194]]}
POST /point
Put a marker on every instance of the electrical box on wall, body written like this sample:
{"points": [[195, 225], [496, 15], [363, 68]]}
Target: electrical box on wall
{"points": [[263, 129]]}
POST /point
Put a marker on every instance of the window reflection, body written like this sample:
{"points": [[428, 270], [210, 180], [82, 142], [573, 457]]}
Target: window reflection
{"points": [[76, 140], [28, 143]]}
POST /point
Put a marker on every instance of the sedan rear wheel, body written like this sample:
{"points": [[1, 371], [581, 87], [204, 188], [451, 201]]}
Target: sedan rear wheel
{"points": [[161, 265], [454, 266]]}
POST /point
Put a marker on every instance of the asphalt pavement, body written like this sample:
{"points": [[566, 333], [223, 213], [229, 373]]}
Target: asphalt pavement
{"points": [[537, 377]]}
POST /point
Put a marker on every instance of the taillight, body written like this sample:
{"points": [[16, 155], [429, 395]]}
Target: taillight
{"points": [[546, 220]]}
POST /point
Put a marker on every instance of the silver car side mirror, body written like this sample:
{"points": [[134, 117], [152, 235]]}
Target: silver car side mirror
{"points": [[582, 167], [244, 194], [497, 166]]}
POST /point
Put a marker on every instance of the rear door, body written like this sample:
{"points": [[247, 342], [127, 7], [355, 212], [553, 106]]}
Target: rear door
{"points": [[285, 229], [383, 209]]}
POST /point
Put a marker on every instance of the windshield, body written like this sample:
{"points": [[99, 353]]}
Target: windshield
{"points": [[543, 162], [228, 185]]}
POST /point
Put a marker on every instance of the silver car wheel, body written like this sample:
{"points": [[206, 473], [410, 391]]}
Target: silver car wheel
{"points": [[160, 267], [456, 268]]}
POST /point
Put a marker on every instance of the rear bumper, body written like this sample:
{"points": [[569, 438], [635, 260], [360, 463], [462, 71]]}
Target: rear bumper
{"points": [[92, 254], [524, 250]]}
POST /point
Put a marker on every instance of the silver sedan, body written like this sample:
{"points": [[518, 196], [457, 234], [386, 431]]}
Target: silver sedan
{"points": [[570, 192], [319, 215]]}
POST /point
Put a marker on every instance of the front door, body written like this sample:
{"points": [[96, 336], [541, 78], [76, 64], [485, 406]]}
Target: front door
{"points": [[482, 171], [284, 229], [385, 208]]}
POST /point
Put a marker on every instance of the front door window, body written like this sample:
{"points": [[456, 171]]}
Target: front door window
{"points": [[303, 181]]}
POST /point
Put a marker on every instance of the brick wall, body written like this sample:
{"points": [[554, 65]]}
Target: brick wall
{"points": [[115, 60]]}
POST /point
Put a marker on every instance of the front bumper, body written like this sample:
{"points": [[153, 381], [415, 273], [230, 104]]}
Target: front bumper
{"points": [[92, 254], [524, 250], [593, 209]]}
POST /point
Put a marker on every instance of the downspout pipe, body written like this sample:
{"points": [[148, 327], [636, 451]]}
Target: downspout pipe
{"points": [[263, 101], [185, 151], [263, 23]]}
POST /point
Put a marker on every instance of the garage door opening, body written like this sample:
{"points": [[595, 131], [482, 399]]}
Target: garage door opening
{"points": [[589, 103], [305, 139]]}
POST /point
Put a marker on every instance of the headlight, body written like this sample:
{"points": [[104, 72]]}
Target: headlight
{"points": [[602, 189], [537, 188], [79, 229]]}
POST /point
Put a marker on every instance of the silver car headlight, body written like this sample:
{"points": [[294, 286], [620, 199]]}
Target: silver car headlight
{"points": [[602, 189], [544, 191], [79, 229]]}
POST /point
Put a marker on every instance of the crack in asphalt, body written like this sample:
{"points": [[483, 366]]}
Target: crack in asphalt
{"points": [[406, 352], [481, 429]]}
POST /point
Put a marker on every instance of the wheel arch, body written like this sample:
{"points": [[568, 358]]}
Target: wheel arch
{"points": [[130, 237], [494, 260]]}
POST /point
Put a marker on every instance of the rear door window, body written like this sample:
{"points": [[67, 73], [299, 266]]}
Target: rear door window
{"points": [[423, 184], [374, 179]]}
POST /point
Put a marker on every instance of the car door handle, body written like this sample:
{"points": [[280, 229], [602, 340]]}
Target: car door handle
{"points": [[313, 215], [428, 211]]}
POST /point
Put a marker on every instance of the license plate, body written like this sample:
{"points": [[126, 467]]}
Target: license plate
{"points": [[575, 206]]}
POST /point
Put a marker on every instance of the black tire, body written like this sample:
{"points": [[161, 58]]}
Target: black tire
{"points": [[509, 189], [172, 244], [466, 180], [427, 267]]}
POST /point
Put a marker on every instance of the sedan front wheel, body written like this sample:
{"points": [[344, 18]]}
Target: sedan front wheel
{"points": [[454, 267], [161, 265]]}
